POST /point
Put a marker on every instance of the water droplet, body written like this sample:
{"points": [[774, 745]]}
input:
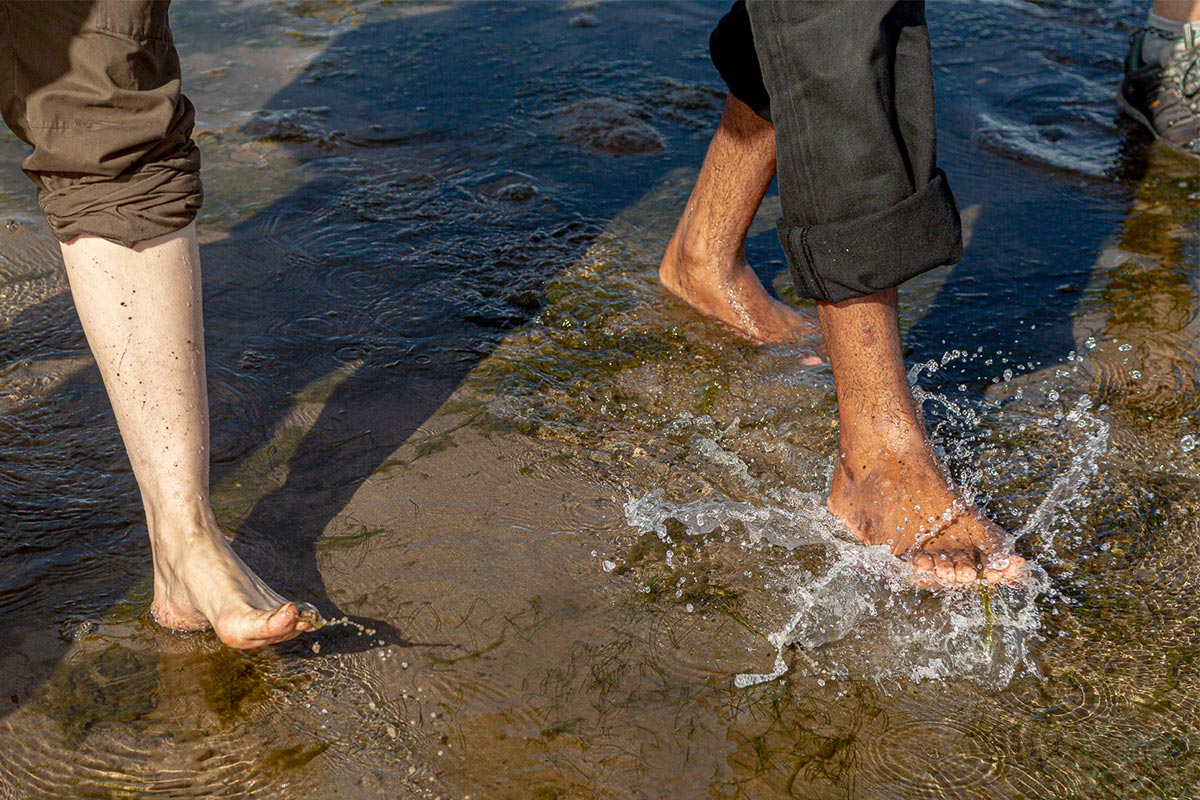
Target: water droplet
{"points": [[1053, 395], [609, 566], [1135, 374], [1125, 348], [1188, 443]]}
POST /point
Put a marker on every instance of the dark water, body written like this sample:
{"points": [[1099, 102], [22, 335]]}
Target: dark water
{"points": [[450, 402]]}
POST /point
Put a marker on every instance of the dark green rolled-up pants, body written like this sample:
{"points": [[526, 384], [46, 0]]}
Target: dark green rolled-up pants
{"points": [[94, 87]]}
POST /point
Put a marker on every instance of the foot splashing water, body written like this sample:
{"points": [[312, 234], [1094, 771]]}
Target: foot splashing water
{"points": [[854, 609]]}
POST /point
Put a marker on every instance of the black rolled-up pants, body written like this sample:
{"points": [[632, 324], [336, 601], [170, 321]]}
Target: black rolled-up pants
{"points": [[849, 87]]}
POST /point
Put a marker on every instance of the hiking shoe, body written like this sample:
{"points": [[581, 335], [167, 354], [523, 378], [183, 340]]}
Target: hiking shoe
{"points": [[1164, 97]]}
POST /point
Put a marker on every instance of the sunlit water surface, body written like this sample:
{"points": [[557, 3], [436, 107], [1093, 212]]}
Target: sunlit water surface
{"points": [[578, 533]]}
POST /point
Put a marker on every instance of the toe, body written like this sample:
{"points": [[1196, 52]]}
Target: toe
{"points": [[1009, 568], [923, 563], [258, 629], [947, 568], [283, 622], [965, 570]]}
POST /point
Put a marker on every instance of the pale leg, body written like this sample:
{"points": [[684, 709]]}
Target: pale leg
{"points": [[140, 308], [1177, 10]]}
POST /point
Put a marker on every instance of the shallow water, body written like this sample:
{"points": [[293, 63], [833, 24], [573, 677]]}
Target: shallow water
{"points": [[579, 531]]}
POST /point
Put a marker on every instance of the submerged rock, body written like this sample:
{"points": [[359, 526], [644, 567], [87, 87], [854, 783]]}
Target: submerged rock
{"points": [[608, 125], [517, 192]]}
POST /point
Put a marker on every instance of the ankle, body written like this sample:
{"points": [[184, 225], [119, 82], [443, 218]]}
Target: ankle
{"points": [[181, 522]]}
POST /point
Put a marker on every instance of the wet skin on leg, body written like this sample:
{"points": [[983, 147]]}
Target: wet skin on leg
{"points": [[889, 487], [705, 262], [140, 308]]}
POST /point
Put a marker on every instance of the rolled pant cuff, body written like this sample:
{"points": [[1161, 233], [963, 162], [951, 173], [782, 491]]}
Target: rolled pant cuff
{"points": [[842, 260], [152, 202]]}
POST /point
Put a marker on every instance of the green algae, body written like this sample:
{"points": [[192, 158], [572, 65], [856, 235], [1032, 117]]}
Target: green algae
{"points": [[231, 684], [349, 541], [112, 686]]}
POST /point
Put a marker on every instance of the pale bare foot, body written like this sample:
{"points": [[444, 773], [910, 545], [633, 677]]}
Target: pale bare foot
{"points": [[141, 309], [200, 583], [903, 500], [727, 290]]}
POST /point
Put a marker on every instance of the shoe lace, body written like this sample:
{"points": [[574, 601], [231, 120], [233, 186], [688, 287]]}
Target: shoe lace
{"points": [[1189, 77]]}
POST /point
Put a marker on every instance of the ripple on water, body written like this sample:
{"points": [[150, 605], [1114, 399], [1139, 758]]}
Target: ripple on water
{"points": [[113, 710], [188, 718], [472, 691], [1061, 701], [1053, 145], [30, 268], [930, 758], [596, 512]]}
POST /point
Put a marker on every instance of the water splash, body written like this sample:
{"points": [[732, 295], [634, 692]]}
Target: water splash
{"points": [[856, 612], [1064, 492]]}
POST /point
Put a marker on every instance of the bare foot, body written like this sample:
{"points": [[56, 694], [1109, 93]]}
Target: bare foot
{"points": [[727, 290], [200, 583], [904, 501], [705, 263]]}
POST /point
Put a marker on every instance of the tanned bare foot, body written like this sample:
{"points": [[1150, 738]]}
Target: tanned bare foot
{"points": [[705, 263], [903, 501], [200, 583], [729, 292], [888, 486]]}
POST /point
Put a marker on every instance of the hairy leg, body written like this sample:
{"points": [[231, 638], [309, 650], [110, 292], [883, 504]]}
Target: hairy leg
{"points": [[140, 308], [705, 262], [888, 485]]}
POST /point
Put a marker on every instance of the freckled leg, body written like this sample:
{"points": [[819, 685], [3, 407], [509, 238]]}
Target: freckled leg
{"points": [[140, 308]]}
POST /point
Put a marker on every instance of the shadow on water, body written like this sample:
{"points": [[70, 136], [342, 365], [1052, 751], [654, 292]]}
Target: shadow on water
{"points": [[448, 195]]}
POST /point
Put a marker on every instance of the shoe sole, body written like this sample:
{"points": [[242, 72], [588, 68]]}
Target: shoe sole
{"points": [[1129, 109]]}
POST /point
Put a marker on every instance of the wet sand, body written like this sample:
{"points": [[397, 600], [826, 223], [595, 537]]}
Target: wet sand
{"points": [[561, 513]]}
